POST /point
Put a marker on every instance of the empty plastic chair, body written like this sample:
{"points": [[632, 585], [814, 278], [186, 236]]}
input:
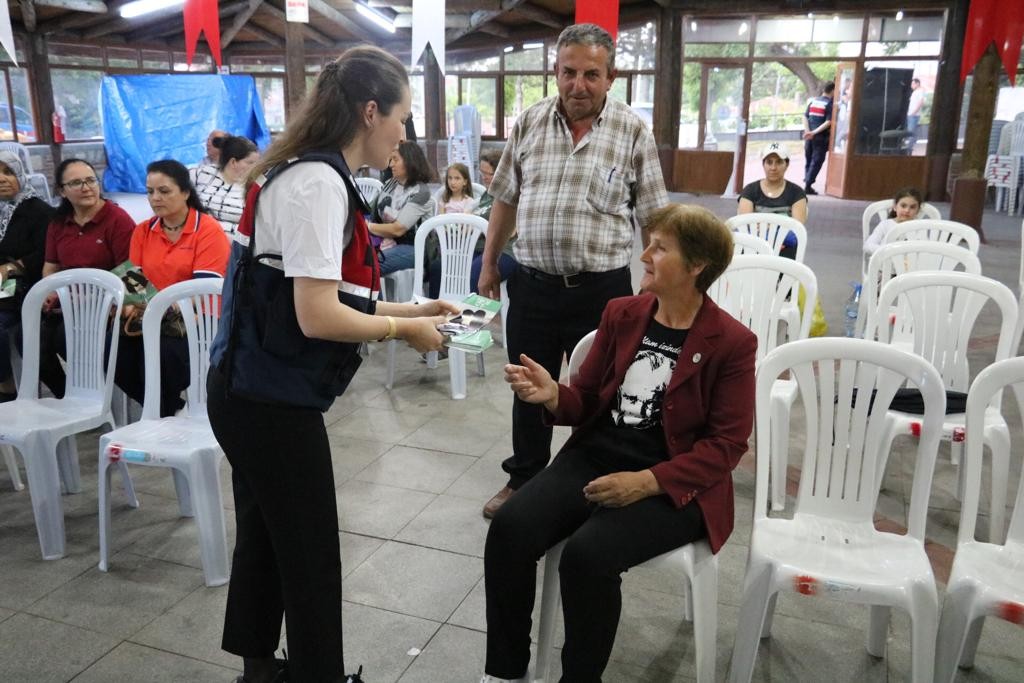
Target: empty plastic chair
{"points": [[44, 429], [772, 228], [369, 188], [830, 548], [697, 564], [185, 442]]}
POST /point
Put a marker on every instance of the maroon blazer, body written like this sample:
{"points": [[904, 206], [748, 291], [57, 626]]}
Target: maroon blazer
{"points": [[707, 410]]}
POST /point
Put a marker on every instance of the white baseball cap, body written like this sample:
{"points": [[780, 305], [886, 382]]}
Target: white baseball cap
{"points": [[776, 148]]}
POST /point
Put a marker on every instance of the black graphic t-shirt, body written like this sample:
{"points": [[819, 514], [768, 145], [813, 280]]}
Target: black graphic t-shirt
{"points": [[638, 403]]}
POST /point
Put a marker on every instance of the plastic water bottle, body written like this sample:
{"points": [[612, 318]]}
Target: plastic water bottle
{"points": [[852, 309]]}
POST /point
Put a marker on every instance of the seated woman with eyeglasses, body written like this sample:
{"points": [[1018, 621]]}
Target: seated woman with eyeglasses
{"points": [[87, 231]]}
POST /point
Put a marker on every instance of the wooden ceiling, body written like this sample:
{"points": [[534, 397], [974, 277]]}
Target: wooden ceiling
{"points": [[259, 25]]}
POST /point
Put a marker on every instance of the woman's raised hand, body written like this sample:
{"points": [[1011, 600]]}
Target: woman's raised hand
{"points": [[532, 383], [421, 333]]}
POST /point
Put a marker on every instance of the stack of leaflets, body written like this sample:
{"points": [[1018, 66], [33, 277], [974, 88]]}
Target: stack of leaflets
{"points": [[465, 331], [138, 290], [8, 288]]}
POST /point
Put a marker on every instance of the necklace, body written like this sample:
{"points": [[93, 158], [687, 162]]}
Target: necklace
{"points": [[172, 228], [772, 192]]}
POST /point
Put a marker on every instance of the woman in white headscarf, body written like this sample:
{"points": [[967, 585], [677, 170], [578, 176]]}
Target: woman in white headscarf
{"points": [[23, 220]]}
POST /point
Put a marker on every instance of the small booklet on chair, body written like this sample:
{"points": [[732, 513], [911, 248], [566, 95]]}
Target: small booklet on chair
{"points": [[138, 290], [465, 330]]}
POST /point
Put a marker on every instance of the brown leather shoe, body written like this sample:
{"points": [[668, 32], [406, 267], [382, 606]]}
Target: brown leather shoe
{"points": [[497, 501]]}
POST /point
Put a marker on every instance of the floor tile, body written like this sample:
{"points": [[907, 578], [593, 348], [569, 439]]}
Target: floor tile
{"points": [[193, 628], [120, 602], [131, 662], [375, 424], [37, 650], [449, 523], [454, 654], [456, 435], [482, 480], [26, 576], [355, 549], [413, 580], [415, 468], [381, 640], [377, 510], [349, 456]]}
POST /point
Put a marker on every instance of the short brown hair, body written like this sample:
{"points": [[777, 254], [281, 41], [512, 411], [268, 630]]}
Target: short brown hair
{"points": [[703, 238]]}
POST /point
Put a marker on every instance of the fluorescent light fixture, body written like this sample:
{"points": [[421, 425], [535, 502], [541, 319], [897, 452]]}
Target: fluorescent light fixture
{"points": [[140, 7], [509, 48], [532, 46], [693, 26], [835, 18], [899, 16], [910, 29], [386, 23], [810, 15], [743, 28]]}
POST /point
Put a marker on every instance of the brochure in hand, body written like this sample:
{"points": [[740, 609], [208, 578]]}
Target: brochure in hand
{"points": [[8, 288], [138, 290], [465, 330]]}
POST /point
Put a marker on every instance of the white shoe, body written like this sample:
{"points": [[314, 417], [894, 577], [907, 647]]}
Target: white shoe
{"points": [[492, 679]]}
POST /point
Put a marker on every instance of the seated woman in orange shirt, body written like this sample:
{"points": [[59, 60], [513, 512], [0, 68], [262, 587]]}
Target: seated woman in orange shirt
{"points": [[178, 243]]}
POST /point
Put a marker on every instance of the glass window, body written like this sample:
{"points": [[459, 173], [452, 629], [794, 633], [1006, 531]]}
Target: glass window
{"points": [[895, 107], [451, 100], [152, 59], [910, 35], [314, 64], [122, 58], [725, 93], [474, 62], [844, 90], [23, 112], [200, 62], [483, 94], [620, 88], [520, 93], [252, 64], [419, 120], [829, 36], [689, 113], [76, 97], [73, 55], [636, 48], [530, 57], [708, 37], [271, 92]]}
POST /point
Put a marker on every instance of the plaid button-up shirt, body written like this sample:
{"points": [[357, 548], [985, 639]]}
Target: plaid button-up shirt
{"points": [[574, 202]]}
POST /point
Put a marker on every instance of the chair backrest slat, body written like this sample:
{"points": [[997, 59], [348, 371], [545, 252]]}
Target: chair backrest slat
{"points": [[772, 228], [457, 236]]}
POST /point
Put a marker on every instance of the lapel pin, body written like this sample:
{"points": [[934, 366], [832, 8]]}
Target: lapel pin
{"points": [[696, 358]]}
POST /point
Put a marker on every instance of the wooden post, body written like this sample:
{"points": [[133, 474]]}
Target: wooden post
{"points": [[295, 65], [942, 130], [433, 105], [969, 192], [668, 90], [39, 69]]}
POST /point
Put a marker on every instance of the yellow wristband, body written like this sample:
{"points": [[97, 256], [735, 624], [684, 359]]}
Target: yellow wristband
{"points": [[392, 330]]}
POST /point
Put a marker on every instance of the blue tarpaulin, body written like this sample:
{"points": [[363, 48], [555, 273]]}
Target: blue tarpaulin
{"points": [[147, 118]]}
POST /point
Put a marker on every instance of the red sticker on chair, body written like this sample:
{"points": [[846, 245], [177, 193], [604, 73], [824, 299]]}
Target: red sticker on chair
{"points": [[1012, 612], [806, 585], [915, 428]]}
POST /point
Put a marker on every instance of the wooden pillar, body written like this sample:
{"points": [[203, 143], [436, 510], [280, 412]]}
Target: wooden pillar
{"points": [[969, 191], [942, 130], [668, 90], [42, 87], [295, 64], [433, 104]]}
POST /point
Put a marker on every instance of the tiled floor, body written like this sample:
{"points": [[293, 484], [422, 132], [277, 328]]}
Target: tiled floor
{"points": [[412, 469]]}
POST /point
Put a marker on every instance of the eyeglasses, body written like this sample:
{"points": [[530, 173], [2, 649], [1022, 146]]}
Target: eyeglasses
{"points": [[79, 183]]}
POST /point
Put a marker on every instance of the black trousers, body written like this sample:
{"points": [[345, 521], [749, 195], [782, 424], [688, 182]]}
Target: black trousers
{"points": [[815, 150], [602, 543], [52, 347], [287, 556], [545, 321], [130, 370]]}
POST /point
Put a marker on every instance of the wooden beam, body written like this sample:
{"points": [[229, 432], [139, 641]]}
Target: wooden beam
{"points": [[168, 26], [331, 14], [404, 20], [94, 6], [264, 35], [295, 66], [239, 21], [668, 85], [542, 16], [69, 21], [28, 15], [495, 30], [482, 17], [309, 31]]}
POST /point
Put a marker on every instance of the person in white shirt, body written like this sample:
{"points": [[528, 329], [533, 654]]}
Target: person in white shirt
{"points": [[914, 108], [221, 186], [905, 206]]}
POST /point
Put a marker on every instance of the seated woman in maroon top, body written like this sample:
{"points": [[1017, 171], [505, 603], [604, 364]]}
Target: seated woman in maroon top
{"points": [[86, 232]]}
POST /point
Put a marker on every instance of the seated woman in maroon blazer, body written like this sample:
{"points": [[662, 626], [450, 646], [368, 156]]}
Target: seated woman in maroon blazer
{"points": [[663, 405]]}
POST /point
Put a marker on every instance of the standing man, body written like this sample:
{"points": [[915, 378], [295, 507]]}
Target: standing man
{"points": [[914, 110], [817, 121], [577, 169]]}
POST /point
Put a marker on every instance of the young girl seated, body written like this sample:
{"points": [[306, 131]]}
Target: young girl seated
{"points": [[905, 206], [458, 191]]}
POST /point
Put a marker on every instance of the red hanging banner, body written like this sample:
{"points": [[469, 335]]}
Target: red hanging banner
{"points": [[997, 21], [604, 13], [202, 16]]}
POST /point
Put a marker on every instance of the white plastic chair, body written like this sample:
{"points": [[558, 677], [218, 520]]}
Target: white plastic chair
{"points": [[772, 228], [753, 289], [1020, 297], [935, 316], [457, 236], [184, 442], [909, 256], [44, 429], [876, 212], [948, 232], [746, 244], [695, 561], [369, 188], [987, 579], [830, 548]]}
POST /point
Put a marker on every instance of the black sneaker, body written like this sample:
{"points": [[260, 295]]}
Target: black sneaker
{"points": [[357, 677], [810, 190]]}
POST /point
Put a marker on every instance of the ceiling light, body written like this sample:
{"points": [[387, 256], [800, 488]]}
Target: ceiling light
{"points": [[743, 28], [835, 18], [693, 26], [810, 15], [374, 15], [140, 7], [509, 48], [910, 29], [899, 16], [532, 46]]}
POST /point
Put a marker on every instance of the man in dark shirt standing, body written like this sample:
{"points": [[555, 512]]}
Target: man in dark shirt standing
{"points": [[817, 121]]}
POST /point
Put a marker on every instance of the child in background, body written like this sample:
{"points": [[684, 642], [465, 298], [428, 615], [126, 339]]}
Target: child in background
{"points": [[458, 191], [905, 206]]}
